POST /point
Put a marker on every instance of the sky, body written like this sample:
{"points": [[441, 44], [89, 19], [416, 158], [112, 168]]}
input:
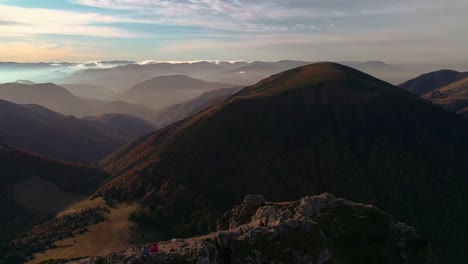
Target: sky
{"points": [[396, 31]]}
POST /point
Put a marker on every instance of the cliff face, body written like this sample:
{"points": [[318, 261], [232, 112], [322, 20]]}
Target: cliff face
{"points": [[314, 229]]}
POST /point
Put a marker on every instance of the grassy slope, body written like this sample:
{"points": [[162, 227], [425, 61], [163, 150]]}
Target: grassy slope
{"points": [[428, 82], [453, 96], [21, 170], [103, 238]]}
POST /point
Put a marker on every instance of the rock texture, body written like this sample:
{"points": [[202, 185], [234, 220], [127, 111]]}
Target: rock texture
{"points": [[315, 229]]}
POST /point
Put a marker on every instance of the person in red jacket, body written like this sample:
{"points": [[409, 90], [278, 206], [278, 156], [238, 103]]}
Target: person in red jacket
{"points": [[154, 248]]}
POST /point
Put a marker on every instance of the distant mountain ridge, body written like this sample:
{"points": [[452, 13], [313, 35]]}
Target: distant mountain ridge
{"points": [[238, 73], [89, 91], [164, 91], [61, 100], [319, 128], [428, 82], [87, 140], [180, 111]]}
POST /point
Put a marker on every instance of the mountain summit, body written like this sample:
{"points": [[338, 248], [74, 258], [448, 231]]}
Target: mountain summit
{"points": [[318, 128]]}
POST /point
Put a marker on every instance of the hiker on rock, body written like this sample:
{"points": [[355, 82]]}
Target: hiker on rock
{"points": [[145, 252], [154, 248]]}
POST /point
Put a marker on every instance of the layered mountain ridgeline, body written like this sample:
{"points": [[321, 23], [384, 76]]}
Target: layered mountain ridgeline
{"points": [[33, 188], [313, 129], [453, 97], [61, 100], [128, 126], [180, 111], [235, 73], [49, 71], [164, 91], [253, 72], [89, 91], [430, 81], [315, 229], [87, 140], [123, 77]]}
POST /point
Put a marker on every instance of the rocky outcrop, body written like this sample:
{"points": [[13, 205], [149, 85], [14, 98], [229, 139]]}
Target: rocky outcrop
{"points": [[316, 229], [241, 214]]}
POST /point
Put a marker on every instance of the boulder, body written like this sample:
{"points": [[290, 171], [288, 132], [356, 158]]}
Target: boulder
{"points": [[254, 200]]}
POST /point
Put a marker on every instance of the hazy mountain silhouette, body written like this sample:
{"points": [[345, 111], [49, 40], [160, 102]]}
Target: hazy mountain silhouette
{"points": [[125, 125], [41, 130], [61, 100], [180, 111], [164, 91], [89, 91], [313, 129], [123, 77], [253, 72], [430, 81], [237, 73]]}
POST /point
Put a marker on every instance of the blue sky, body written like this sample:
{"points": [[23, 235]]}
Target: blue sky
{"points": [[81, 30]]}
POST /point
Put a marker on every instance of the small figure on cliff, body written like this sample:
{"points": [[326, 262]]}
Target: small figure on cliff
{"points": [[154, 248], [145, 252]]}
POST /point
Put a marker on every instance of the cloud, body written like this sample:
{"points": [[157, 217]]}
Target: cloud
{"points": [[201, 29], [257, 16], [33, 51], [17, 21]]}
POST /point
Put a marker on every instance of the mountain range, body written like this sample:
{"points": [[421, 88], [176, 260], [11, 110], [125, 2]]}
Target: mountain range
{"points": [[322, 127], [183, 110], [86, 140], [60, 100], [318, 128], [89, 91], [236, 73], [164, 91]]}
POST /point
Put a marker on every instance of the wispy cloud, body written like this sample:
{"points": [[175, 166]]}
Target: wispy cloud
{"points": [[32, 51], [26, 21], [249, 29]]}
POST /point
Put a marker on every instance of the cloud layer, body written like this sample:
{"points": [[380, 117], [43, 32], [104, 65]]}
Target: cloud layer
{"points": [[416, 30]]}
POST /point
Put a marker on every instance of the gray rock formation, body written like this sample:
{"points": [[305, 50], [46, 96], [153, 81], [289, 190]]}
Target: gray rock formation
{"points": [[316, 229]]}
